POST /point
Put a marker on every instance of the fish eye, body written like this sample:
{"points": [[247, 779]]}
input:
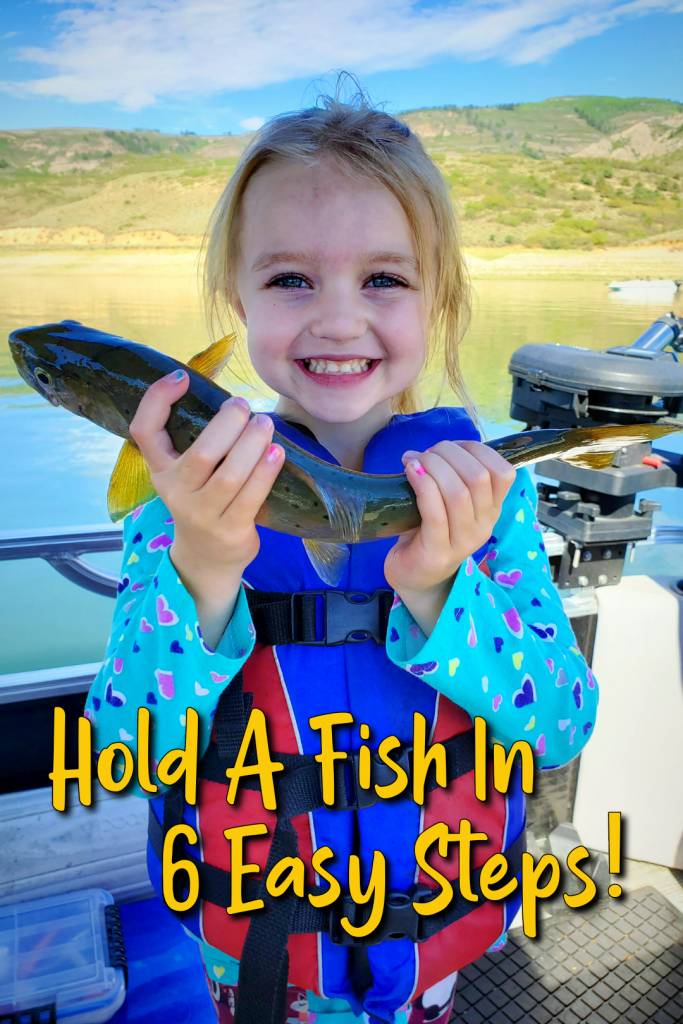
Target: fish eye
{"points": [[43, 376]]}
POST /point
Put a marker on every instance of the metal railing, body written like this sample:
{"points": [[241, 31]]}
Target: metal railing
{"points": [[63, 547]]}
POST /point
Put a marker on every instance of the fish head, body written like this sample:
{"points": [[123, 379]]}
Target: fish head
{"points": [[62, 365]]}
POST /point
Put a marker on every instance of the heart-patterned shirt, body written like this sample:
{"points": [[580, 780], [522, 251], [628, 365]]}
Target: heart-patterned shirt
{"points": [[503, 648]]}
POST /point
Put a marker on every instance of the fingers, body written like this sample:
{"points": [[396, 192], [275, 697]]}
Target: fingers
{"points": [[501, 474], [214, 444], [486, 475], [435, 527], [248, 500], [147, 426], [233, 473]]}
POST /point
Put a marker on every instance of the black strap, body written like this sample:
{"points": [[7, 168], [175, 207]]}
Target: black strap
{"points": [[282, 619], [264, 963], [298, 788], [230, 720], [320, 618], [214, 887]]}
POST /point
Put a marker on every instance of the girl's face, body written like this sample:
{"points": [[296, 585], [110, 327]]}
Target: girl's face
{"points": [[330, 291]]}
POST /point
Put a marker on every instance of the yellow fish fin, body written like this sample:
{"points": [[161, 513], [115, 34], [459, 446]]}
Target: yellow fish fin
{"points": [[130, 483], [328, 560], [589, 460], [211, 361]]}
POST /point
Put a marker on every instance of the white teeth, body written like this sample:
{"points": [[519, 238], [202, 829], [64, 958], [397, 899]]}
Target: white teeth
{"points": [[330, 366]]}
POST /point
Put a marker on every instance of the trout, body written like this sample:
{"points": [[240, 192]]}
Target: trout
{"points": [[103, 377]]}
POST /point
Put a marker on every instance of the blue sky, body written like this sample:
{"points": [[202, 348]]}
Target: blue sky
{"points": [[213, 66]]}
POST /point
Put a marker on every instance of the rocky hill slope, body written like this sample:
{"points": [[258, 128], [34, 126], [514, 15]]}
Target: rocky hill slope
{"points": [[572, 172]]}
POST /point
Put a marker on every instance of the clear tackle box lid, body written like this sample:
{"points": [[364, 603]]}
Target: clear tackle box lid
{"points": [[62, 957]]}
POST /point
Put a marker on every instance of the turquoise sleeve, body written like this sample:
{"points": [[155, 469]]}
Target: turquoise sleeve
{"points": [[503, 647], [156, 656]]}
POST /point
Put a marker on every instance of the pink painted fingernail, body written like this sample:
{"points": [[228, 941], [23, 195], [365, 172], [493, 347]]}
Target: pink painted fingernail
{"points": [[417, 466], [241, 401], [273, 453], [263, 420], [176, 376]]}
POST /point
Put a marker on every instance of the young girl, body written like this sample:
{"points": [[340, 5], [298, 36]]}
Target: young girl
{"points": [[335, 244]]}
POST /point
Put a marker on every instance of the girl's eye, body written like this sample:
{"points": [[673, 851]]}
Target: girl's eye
{"points": [[386, 281], [288, 281]]}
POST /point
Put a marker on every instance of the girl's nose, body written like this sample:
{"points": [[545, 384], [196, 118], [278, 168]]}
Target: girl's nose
{"points": [[338, 317]]}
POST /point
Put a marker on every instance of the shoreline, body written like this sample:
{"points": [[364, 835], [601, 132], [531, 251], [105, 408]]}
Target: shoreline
{"points": [[663, 260]]}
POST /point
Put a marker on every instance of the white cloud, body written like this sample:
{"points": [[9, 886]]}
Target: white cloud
{"points": [[252, 124], [135, 52]]}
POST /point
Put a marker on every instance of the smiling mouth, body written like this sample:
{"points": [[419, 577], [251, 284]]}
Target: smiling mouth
{"points": [[348, 367]]}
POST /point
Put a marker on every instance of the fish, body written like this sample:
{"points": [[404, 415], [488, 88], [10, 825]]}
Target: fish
{"points": [[103, 377]]}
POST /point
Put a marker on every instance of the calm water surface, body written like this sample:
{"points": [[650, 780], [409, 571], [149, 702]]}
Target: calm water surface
{"points": [[56, 466]]}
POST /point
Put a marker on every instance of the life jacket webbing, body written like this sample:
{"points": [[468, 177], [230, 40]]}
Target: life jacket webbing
{"points": [[264, 962], [299, 787]]}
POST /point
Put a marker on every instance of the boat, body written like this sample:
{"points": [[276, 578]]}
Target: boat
{"points": [[645, 284], [616, 959]]}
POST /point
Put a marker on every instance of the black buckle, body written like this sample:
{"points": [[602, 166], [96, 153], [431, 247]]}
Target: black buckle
{"points": [[349, 795], [343, 617], [399, 920]]}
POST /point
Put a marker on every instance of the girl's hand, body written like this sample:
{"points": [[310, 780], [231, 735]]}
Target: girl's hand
{"points": [[460, 488], [213, 491]]}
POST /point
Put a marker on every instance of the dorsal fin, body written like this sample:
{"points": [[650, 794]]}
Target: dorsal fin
{"points": [[130, 484], [211, 361]]}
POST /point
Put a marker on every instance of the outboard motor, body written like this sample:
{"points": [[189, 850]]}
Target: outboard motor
{"points": [[592, 513], [594, 510]]}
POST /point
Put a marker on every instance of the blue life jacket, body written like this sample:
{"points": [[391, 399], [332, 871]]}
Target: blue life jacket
{"points": [[292, 683]]}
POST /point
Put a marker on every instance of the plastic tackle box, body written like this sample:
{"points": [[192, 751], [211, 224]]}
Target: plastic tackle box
{"points": [[62, 959]]}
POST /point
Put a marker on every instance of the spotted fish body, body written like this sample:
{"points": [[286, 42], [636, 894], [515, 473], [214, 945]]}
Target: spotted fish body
{"points": [[103, 377]]}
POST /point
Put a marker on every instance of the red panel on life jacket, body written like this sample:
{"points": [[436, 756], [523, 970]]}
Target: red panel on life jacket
{"points": [[446, 951], [228, 932]]}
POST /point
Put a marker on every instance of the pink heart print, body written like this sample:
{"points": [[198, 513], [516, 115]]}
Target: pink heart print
{"points": [[218, 678], [137, 511], [165, 683], [165, 615], [162, 540], [497, 701], [137, 586], [145, 627], [508, 579], [513, 622], [540, 744], [472, 635]]}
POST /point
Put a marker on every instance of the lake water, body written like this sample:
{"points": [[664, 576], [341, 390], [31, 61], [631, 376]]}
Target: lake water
{"points": [[56, 466]]}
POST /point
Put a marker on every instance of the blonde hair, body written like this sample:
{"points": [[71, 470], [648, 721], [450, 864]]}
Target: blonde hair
{"points": [[374, 145]]}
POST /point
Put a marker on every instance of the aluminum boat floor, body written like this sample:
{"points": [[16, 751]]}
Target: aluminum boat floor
{"points": [[620, 960]]}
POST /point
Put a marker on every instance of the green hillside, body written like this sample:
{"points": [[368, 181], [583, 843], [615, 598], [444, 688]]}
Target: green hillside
{"points": [[569, 172]]}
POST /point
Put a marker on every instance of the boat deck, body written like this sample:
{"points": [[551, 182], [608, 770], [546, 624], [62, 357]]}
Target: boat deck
{"points": [[166, 976]]}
